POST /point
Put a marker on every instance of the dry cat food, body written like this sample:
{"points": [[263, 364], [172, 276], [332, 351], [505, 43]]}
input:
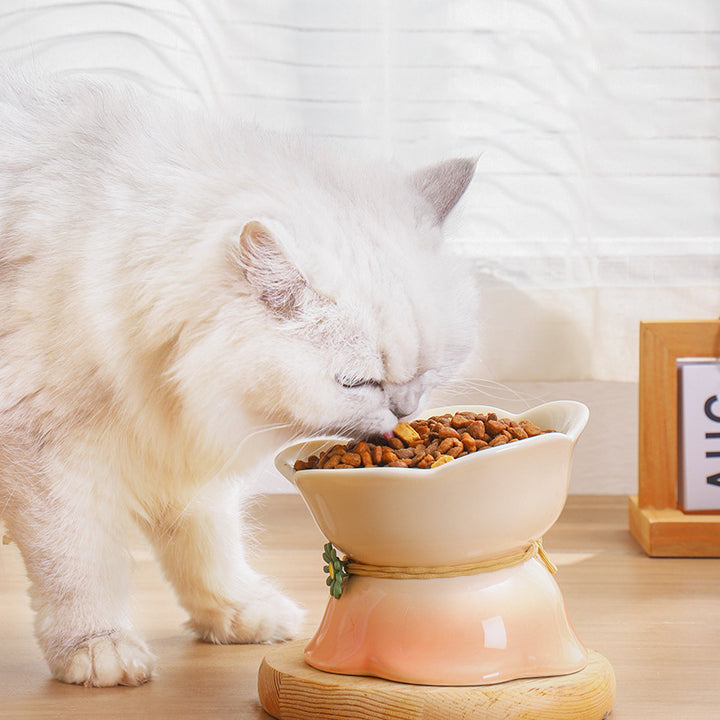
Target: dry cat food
{"points": [[426, 443]]}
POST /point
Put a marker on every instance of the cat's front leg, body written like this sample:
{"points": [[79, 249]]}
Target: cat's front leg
{"points": [[201, 547], [79, 580]]}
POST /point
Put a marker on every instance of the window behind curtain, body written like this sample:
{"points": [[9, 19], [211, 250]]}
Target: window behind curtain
{"points": [[597, 126]]}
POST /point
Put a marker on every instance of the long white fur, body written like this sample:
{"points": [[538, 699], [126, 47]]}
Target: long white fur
{"points": [[169, 284]]}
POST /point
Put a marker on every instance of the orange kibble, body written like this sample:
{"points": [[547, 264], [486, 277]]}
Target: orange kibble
{"points": [[426, 443]]}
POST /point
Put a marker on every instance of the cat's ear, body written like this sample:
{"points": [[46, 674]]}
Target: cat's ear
{"points": [[273, 278], [442, 185]]}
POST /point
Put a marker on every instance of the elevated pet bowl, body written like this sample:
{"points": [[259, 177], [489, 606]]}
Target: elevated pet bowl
{"points": [[478, 629]]}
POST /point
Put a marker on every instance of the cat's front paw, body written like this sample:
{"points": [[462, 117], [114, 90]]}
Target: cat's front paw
{"points": [[268, 616], [116, 658]]}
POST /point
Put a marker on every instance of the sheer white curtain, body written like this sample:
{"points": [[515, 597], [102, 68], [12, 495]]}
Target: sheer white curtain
{"points": [[596, 202]]}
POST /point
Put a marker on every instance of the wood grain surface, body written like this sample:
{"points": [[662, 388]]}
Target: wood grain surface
{"points": [[289, 689], [656, 620]]}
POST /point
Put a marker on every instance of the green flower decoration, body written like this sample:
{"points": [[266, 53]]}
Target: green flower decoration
{"points": [[335, 569]]}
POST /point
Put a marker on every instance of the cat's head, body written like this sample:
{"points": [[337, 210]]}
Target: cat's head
{"points": [[344, 306]]}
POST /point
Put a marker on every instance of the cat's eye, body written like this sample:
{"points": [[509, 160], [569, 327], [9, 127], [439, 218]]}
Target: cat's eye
{"points": [[353, 382]]}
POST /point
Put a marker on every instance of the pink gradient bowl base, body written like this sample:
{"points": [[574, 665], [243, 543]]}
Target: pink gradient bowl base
{"points": [[477, 629]]}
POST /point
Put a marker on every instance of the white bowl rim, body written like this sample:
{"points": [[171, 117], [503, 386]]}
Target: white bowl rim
{"points": [[577, 413]]}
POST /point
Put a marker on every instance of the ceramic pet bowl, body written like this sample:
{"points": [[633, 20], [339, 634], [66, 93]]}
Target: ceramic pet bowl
{"points": [[503, 621]]}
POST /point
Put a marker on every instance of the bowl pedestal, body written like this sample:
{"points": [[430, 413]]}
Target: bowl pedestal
{"points": [[477, 629], [390, 629]]}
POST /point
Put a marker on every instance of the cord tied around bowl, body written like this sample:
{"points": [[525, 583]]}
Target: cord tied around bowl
{"points": [[340, 570]]}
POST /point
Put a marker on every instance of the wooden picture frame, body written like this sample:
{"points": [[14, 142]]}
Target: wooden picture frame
{"points": [[656, 522]]}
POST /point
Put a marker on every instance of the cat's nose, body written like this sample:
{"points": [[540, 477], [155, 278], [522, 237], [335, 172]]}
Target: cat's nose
{"points": [[403, 410], [402, 401]]}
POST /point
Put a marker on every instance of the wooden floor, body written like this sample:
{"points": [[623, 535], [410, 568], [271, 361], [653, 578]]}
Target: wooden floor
{"points": [[656, 620]]}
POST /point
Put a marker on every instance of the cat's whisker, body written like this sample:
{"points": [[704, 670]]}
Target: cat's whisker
{"points": [[480, 389]]}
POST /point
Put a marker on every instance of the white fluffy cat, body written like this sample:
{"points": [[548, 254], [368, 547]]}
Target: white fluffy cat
{"points": [[169, 284]]}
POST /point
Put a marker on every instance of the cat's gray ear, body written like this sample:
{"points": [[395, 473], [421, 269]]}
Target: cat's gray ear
{"points": [[442, 185], [273, 278]]}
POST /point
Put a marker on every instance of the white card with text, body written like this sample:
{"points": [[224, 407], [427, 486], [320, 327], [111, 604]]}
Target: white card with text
{"points": [[699, 433]]}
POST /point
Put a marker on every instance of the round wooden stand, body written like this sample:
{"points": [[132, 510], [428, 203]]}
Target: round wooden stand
{"points": [[289, 689]]}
